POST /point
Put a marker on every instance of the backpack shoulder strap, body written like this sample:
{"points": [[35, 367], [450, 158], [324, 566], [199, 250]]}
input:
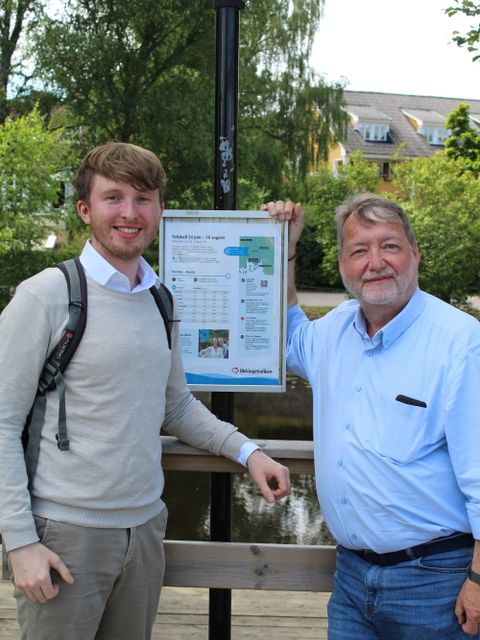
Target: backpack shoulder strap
{"points": [[77, 319], [164, 301], [51, 376]]}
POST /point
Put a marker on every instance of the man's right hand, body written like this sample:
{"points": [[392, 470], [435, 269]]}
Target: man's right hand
{"points": [[288, 211], [31, 567]]}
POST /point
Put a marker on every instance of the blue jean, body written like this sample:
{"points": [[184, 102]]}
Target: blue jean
{"points": [[413, 600]]}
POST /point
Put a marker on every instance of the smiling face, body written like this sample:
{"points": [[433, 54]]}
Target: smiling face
{"points": [[378, 265], [124, 221]]}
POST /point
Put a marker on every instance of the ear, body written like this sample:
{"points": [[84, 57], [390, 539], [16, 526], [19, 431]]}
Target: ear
{"points": [[416, 252], [83, 211]]}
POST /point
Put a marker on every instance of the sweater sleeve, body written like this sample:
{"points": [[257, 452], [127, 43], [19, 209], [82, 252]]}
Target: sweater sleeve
{"points": [[189, 420], [24, 339], [29, 326]]}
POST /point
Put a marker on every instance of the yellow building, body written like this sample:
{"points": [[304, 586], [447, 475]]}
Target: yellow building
{"points": [[383, 125]]}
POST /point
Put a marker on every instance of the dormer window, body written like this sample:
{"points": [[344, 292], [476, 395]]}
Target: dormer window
{"points": [[429, 124], [435, 135], [373, 132], [371, 123]]}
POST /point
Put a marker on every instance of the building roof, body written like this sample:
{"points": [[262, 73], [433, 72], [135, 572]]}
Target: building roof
{"points": [[405, 115]]}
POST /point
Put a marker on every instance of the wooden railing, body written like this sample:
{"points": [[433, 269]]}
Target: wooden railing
{"points": [[236, 565]]}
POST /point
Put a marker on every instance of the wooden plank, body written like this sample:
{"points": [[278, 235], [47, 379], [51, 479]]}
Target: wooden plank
{"points": [[236, 565], [183, 615], [297, 455]]}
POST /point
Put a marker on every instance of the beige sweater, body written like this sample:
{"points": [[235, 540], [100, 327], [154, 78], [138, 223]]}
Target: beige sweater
{"points": [[121, 385]]}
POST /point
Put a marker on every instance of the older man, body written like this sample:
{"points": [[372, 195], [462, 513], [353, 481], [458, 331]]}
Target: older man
{"points": [[395, 376]]}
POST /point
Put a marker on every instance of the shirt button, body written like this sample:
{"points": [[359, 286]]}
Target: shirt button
{"points": [[339, 462], [347, 425], [358, 388], [354, 536], [369, 354], [343, 500]]}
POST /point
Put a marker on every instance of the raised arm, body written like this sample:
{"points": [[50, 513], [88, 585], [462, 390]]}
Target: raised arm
{"points": [[293, 213]]}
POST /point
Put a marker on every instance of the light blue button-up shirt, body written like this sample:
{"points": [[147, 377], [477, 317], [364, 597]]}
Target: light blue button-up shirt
{"points": [[100, 270], [390, 473]]}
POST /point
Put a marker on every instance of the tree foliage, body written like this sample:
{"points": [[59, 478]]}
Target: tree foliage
{"points": [[33, 161], [289, 114], [13, 14], [441, 196], [317, 264], [464, 141], [471, 38], [442, 200], [145, 72]]}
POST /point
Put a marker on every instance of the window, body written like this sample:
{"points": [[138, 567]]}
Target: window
{"points": [[435, 135], [373, 132]]}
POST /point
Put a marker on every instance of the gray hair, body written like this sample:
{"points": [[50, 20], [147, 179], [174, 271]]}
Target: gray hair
{"points": [[369, 206]]}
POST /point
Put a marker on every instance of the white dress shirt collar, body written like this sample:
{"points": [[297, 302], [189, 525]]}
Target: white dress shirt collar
{"points": [[100, 270]]}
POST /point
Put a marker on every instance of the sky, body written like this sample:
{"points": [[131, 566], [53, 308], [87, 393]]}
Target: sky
{"points": [[396, 46]]}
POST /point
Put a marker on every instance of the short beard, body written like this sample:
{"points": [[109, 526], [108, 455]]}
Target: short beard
{"points": [[398, 289]]}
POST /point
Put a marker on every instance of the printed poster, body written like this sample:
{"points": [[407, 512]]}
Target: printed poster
{"points": [[227, 270]]}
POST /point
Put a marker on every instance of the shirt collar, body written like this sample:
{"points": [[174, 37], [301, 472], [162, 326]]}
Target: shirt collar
{"points": [[397, 325], [100, 270]]}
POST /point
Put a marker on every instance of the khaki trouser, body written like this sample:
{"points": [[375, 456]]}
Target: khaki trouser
{"points": [[118, 576]]}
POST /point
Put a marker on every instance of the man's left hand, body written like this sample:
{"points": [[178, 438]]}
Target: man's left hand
{"points": [[263, 469], [467, 608]]}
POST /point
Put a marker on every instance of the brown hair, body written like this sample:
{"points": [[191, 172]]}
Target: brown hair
{"points": [[122, 162], [369, 206]]}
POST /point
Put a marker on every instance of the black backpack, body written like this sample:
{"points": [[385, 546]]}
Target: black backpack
{"points": [[51, 376]]}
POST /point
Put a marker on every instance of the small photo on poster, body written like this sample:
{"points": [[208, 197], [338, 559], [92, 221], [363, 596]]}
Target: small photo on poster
{"points": [[213, 343]]}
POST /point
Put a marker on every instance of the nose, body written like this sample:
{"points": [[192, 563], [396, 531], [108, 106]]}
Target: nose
{"points": [[376, 261], [129, 211]]}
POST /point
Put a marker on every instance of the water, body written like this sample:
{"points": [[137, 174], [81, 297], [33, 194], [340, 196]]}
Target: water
{"points": [[295, 519]]}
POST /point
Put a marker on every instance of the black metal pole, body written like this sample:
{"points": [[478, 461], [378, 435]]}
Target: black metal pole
{"points": [[225, 195]]}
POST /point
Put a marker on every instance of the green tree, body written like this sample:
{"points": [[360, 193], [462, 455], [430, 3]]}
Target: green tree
{"points": [[442, 200], [13, 14], [144, 72], [464, 141], [471, 38], [317, 263], [33, 161], [289, 114], [137, 72]]}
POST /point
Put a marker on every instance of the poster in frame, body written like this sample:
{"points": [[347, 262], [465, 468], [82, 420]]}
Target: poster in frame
{"points": [[228, 272]]}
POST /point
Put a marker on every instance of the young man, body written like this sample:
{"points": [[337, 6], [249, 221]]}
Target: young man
{"points": [[395, 376], [85, 543]]}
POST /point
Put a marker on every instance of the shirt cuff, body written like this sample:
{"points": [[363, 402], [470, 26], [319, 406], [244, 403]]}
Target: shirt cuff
{"points": [[246, 451]]}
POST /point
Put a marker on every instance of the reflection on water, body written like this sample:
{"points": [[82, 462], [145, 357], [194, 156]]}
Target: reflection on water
{"points": [[296, 519]]}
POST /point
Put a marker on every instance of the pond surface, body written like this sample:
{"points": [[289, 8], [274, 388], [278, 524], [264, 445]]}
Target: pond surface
{"points": [[296, 519]]}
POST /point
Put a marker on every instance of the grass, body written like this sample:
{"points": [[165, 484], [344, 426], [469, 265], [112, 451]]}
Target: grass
{"points": [[316, 312]]}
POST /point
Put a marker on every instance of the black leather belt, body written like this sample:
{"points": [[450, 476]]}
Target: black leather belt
{"points": [[439, 545]]}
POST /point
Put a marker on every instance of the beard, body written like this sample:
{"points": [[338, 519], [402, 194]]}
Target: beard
{"points": [[397, 289]]}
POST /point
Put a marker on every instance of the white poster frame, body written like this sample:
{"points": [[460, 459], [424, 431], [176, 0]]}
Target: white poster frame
{"points": [[181, 245]]}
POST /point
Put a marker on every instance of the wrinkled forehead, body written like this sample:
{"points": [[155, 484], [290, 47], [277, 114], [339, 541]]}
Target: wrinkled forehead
{"points": [[358, 229]]}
